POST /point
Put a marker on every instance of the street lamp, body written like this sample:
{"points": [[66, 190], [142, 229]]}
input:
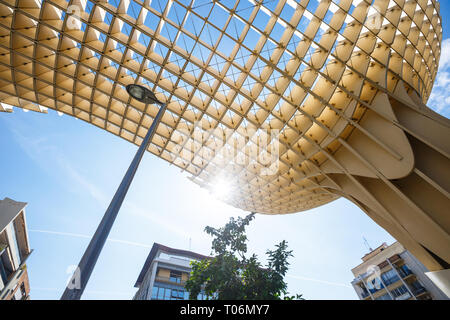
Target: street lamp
{"points": [[142, 94], [80, 277]]}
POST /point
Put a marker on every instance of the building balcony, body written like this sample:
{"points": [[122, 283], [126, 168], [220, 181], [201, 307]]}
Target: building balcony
{"points": [[405, 296], [171, 280], [377, 288], [419, 291], [405, 274]]}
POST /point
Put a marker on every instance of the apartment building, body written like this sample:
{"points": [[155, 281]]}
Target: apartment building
{"points": [[164, 274], [14, 251], [393, 273]]}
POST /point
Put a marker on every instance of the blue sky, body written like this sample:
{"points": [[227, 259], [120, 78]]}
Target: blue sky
{"points": [[68, 170]]}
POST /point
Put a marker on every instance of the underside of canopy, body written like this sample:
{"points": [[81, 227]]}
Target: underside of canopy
{"points": [[293, 103]]}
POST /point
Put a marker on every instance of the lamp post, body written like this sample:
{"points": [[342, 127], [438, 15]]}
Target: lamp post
{"points": [[80, 277]]}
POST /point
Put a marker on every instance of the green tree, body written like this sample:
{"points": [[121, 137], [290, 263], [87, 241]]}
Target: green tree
{"points": [[230, 275]]}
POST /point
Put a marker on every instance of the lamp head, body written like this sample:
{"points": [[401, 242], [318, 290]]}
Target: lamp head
{"points": [[142, 94]]}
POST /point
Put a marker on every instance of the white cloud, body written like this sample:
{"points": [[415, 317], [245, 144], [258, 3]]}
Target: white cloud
{"points": [[445, 54], [439, 100]]}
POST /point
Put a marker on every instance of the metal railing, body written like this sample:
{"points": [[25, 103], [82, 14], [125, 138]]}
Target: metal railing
{"points": [[171, 280], [404, 273], [404, 296], [418, 291]]}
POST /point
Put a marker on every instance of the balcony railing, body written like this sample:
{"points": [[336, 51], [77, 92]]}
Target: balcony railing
{"points": [[404, 296], [418, 291], [391, 280], [171, 280], [404, 273], [377, 288]]}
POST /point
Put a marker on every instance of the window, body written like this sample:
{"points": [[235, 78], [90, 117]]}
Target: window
{"points": [[417, 287], [384, 297], [160, 294], [404, 270], [6, 266], [3, 274], [364, 291], [397, 292], [155, 293], [175, 276], [167, 293], [177, 294], [22, 289], [201, 296], [390, 277]]}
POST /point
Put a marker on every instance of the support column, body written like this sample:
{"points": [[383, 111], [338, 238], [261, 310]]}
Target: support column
{"points": [[441, 279], [152, 279], [79, 280], [401, 279]]}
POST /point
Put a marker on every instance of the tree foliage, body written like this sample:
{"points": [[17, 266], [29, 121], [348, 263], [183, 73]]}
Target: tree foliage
{"points": [[230, 275]]}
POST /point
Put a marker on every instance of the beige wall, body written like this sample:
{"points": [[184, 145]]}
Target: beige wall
{"points": [[163, 273], [395, 248]]}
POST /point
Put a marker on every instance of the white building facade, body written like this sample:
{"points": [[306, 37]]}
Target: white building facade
{"points": [[393, 273], [164, 274], [14, 251]]}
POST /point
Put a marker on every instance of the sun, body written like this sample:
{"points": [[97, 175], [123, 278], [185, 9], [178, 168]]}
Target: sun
{"points": [[221, 188]]}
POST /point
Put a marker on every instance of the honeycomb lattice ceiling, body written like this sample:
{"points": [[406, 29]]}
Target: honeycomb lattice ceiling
{"points": [[307, 70]]}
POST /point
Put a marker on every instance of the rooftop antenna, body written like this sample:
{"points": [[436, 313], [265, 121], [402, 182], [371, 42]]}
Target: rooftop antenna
{"points": [[367, 244]]}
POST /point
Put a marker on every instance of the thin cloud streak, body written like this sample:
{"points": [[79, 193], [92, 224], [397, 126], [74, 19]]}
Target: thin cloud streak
{"points": [[86, 291], [85, 236]]}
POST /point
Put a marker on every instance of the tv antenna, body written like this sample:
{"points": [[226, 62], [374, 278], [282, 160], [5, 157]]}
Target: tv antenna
{"points": [[367, 244]]}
